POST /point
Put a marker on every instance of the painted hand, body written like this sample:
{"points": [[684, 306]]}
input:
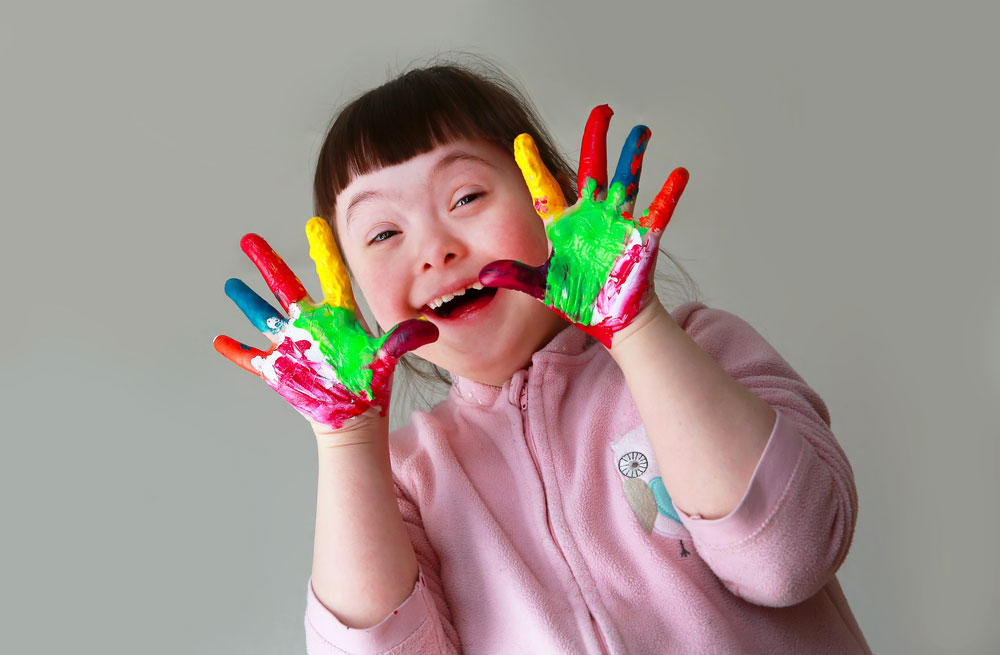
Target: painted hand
{"points": [[598, 275], [322, 360]]}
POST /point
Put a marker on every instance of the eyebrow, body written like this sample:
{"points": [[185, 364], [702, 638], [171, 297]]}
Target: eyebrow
{"points": [[359, 199], [458, 156], [444, 162]]}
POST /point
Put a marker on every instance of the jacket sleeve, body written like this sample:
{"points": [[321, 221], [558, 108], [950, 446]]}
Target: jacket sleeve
{"points": [[793, 528], [420, 625]]}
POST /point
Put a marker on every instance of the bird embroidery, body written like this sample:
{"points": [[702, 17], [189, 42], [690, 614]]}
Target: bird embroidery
{"points": [[644, 488]]}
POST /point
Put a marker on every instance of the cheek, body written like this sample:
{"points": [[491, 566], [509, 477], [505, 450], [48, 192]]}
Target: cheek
{"points": [[516, 232], [528, 240], [383, 294]]}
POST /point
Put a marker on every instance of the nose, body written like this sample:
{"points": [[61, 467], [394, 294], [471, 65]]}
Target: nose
{"points": [[441, 249]]}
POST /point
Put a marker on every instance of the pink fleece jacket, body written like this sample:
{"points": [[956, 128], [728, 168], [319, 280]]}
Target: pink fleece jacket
{"points": [[541, 524]]}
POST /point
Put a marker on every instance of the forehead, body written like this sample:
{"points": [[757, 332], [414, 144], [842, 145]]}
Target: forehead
{"points": [[420, 171]]}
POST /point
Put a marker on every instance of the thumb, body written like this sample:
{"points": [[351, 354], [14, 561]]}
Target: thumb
{"points": [[409, 335], [510, 274]]}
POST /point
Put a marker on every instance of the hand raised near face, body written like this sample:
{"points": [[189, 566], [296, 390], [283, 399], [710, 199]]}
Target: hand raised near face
{"points": [[598, 275], [321, 359]]}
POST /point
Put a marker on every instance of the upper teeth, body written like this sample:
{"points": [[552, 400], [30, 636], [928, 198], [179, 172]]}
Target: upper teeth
{"points": [[440, 300]]}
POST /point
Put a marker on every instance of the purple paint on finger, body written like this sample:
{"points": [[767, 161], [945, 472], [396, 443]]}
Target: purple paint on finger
{"points": [[510, 274]]}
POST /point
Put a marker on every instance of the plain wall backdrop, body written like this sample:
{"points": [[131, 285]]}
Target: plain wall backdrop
{"points": [[843, 200]]}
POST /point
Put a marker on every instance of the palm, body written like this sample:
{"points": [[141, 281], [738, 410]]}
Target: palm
{"points": [[598, 273], [322, 360]]}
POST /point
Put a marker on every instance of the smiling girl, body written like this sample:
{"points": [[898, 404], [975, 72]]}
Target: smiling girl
{"points": [[604, 476]]}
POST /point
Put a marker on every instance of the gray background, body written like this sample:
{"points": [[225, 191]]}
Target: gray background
{"points": [[843, 200]]}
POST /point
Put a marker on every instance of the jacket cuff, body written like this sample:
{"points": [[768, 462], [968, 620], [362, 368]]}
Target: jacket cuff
{"points": [[775, 471], [322, 625]]}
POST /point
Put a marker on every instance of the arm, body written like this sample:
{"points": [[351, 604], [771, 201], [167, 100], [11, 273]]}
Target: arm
{"points": [[360, 542], [786, 519], [708, 431], [375, 585]]}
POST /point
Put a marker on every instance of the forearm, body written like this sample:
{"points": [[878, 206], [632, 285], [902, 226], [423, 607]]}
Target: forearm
{"points": [[364, 565], [707, 430]]}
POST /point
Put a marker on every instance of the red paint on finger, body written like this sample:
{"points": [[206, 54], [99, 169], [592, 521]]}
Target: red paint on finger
{"points": [[594, 150], [279, 278]]}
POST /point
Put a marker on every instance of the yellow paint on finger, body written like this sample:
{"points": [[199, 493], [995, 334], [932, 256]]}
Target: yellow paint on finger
{"points": [[545, 192], [329, 266]]}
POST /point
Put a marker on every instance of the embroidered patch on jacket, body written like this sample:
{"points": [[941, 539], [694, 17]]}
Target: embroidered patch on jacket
{"points": [[643, 486]]}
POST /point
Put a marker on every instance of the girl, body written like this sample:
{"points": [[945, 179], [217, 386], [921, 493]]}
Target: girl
{"points": [[604, 476]]}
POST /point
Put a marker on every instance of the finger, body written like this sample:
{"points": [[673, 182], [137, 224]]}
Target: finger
{"points": [[330, 267], [663, 205], [238, 353], [545, 191], [279, 278], [594, 154], [409, 335], [625, 184], [510, 274], [264, 317]]}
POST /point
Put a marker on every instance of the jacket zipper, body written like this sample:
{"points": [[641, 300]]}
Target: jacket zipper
{"points": [[522, 402]]}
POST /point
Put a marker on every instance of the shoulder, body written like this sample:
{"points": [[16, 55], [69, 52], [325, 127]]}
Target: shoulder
{"points": [[697, 318], [429, 437], [420, 448], [725, 336], [424, 432], [747, 356]]}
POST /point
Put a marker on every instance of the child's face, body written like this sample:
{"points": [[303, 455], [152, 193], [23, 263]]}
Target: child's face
{"points": [[414, 232]]}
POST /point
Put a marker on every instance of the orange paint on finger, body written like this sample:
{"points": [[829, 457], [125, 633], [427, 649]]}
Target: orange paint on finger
{"points": [[238, 353]]}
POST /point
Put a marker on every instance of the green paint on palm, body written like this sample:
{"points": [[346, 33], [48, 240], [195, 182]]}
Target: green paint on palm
{"points": [[348, 348], [586, 241]]}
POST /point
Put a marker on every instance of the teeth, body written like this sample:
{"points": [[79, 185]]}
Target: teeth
{"points": [[437, 302]]}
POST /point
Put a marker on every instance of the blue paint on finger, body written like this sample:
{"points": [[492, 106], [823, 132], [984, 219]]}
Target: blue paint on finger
{"points": [[264, 317], [630, 163]]}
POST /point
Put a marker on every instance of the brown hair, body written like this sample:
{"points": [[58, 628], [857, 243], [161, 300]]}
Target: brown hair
{"points": [[420, 110]]}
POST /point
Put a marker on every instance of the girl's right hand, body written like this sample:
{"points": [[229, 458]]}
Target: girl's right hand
{"points": [[321, 360]]}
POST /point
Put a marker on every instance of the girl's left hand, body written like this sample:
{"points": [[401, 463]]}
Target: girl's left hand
{"points": [[598, 275]]}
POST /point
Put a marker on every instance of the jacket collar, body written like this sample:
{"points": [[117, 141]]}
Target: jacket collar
{"points": [[570, 342]]}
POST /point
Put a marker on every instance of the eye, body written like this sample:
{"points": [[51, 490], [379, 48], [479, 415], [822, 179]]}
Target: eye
{"points": [[465, 200], [384, 235]]}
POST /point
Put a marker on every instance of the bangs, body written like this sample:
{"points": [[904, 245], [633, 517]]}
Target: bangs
{"points": [[417, 112]]}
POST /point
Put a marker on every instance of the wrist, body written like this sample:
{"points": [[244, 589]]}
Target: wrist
{"points": [[369, 428], [651, 317]]}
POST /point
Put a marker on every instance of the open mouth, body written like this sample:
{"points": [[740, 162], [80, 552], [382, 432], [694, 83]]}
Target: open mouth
{"points": [[469, 301]]}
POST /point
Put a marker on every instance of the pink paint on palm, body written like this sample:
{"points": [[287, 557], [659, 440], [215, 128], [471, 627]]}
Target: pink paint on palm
{"points": [[297, 371], [311, 386]]}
